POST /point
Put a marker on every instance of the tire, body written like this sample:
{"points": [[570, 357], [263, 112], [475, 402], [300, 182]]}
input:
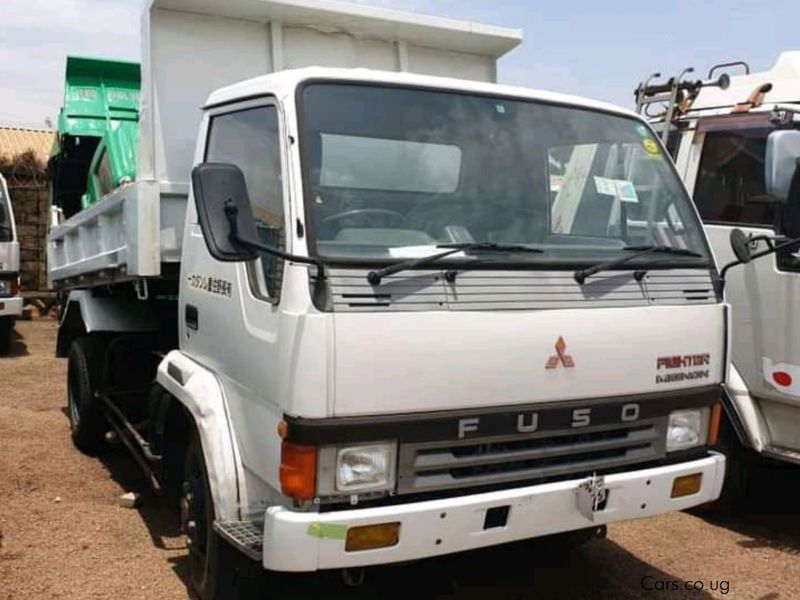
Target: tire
{"points": [[739, 465], [6, 332], [86, 420], [212, 561]]}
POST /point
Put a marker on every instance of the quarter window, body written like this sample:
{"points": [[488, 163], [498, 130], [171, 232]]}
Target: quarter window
{"points": [[250, 139]]}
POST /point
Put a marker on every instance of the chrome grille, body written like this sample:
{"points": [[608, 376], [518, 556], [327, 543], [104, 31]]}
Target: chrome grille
{"points": [[433, 466]]}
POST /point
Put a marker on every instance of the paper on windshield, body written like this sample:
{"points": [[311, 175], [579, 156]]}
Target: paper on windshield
{"points": [[419, 252], [605, 186], [622, 189]]}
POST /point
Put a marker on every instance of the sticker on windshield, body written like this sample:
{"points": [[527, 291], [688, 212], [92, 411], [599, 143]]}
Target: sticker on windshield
{"points": [[605, 186], [651, 147], [626, 192], [641, 130]]}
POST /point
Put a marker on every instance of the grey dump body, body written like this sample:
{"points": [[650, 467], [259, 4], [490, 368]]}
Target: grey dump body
{"points": [[136, 231]]}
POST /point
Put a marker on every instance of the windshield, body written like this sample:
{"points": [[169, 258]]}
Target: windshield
{"points": [[5, 219], [392, 173]]}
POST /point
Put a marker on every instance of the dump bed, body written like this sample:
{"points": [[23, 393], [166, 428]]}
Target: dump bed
{"points": [[192, 47]]}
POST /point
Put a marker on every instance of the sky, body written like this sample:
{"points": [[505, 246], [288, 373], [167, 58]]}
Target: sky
{"points": [[595, 48]]}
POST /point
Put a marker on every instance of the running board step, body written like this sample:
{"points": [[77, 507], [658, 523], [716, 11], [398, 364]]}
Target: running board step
{"points": [[247, 536]]}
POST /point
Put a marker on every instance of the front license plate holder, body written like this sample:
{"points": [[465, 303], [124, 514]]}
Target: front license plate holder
{"points": [[592, 496]]}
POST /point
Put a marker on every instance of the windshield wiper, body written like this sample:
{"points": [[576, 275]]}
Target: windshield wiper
{"points": [[581, 275], [375, 277]]}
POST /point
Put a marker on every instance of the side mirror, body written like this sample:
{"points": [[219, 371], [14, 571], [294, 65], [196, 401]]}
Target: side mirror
{"points": [[740, 244], [224, 212], [780, 165]]}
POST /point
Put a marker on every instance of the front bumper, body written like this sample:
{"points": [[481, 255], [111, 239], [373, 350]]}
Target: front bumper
{"points": [[297, 541], [11, 307]]}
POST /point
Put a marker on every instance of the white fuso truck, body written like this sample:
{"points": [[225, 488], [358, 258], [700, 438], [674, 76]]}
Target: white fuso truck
{"points": [[361, 304], [736, 144], [10, 297]]}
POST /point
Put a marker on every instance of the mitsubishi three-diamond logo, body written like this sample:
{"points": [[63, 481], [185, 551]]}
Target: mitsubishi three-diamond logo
{"points": [[560, 357]]}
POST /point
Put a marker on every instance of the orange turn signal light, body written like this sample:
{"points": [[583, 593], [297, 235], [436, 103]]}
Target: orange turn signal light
{"points": [[298, 471], [713, 424], [283, 429], [371, 537], [686, 485]]}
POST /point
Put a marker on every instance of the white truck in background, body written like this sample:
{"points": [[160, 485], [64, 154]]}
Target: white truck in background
{"points": [[736, 144], [10, 297], [364, 305]]}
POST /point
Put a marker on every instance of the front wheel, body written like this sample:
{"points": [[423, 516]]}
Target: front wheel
{"points": [[6, 333], [739, 466], [212, 561]]}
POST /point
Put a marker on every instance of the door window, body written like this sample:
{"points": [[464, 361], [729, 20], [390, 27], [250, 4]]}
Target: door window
{"points": [[250, 139], [731, 179]]}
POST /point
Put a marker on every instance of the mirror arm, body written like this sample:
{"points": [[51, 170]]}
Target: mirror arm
{"points": [[791, 244], [232, 213], [768, 240], [725, 270]]}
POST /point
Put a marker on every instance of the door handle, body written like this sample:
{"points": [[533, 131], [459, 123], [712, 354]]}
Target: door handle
{"points": [[192, 317]]}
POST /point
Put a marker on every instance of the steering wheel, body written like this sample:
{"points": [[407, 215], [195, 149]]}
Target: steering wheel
{"points": [[364, 211]]}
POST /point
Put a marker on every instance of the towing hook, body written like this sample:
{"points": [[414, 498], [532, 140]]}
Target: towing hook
{"points": [[354, 577]]}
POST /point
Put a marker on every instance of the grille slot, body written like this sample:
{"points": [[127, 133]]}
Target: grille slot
{"points": [[442, 465]]}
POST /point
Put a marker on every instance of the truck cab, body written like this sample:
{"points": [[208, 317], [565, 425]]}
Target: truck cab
{"points": [[10, 298], [725, 140], [370, 313]]}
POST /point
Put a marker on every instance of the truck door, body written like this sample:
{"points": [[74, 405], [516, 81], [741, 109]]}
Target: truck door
{"points": [[231, 317], [729, 191]]}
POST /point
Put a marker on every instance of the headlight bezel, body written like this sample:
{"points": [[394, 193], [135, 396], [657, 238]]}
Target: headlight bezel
{"points": [[329, 463], [697, 419]]}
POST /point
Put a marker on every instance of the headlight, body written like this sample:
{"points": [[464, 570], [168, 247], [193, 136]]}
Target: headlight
{"points": [[5, 287], [687, 429], [365, 468]]}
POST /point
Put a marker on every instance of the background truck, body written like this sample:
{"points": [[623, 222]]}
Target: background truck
{"points": [[10, 297], [359, 304], [736, 143]]}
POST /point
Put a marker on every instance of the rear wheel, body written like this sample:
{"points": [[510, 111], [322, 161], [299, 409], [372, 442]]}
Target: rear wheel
{"points": [[6, 332], [86, 420]]}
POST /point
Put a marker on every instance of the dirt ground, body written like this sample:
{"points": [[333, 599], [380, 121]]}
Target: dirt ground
{"points": [[63, 535]]}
